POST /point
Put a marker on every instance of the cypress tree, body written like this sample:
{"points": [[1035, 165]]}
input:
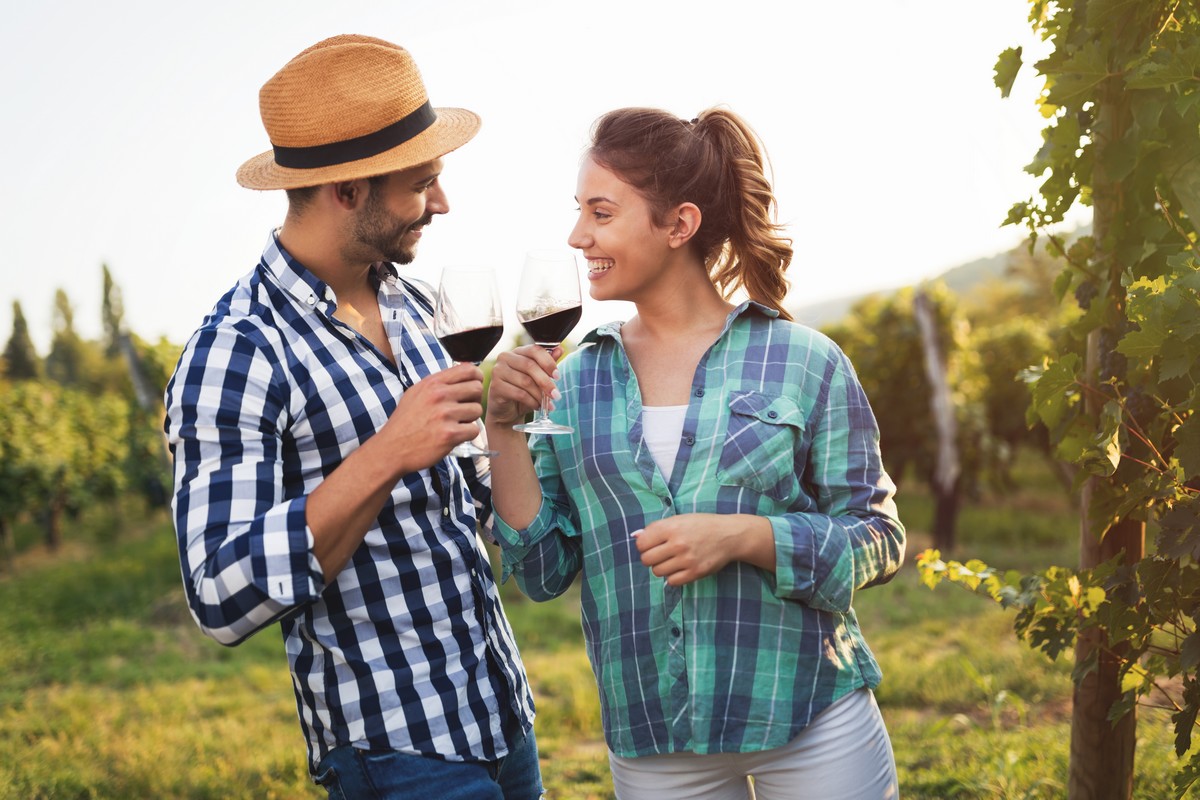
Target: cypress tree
{"points": [[21, 360], [66, 362], [112, 313]]}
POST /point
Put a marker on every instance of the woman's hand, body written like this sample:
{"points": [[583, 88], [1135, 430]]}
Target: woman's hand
{"points": [[519, 379], [688, 547]]}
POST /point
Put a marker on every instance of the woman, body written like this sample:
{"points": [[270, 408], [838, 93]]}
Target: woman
{"points": [[722, 496]]}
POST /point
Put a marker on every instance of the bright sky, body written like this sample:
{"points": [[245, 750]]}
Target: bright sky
{"points": [[894, 156]]}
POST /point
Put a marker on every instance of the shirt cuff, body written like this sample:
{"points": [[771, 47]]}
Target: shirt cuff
{"points": [[515, 544], [293, 573], [795, 566]]}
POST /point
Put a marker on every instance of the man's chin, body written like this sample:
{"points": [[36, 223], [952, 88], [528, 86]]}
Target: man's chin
{"points": [[406, 248], [401, 253]]}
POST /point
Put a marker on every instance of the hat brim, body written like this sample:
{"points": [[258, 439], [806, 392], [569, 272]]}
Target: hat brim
{"points": [[453, 128]]}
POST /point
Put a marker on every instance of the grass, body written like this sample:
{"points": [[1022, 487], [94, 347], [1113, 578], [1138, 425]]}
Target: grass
{"points": [[107, 690]]}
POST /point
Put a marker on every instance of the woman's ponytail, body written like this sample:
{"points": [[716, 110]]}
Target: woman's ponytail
{"points": [[755, 254]]}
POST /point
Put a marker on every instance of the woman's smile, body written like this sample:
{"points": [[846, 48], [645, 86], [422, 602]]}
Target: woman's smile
{"points": [[598, 266]]}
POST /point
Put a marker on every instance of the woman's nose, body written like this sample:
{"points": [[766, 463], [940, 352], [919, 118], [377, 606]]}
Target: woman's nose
{"points": [[578, 237]]}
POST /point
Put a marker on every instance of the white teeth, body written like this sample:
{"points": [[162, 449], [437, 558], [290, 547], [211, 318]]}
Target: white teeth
{"points": [[599, 266]]}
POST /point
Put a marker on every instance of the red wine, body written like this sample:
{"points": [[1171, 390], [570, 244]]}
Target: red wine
{"points": [[552, 328], [472, 345]]}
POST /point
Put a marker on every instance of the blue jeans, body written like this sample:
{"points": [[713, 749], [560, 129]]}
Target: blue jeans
{"points": [[348, 773]]}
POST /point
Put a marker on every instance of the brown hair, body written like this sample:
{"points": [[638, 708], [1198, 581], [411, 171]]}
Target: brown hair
{"points": [[300, 198], [716, 161]]}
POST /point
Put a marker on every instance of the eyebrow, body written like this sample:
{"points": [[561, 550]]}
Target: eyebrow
{"points": [[426, 172], [600, 199]]}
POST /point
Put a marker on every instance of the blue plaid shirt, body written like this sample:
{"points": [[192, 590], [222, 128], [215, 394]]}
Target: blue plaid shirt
{"points": [[778, 426], [408, 649]]}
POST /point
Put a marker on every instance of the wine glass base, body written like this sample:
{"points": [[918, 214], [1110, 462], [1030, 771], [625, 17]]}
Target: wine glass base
{"points": [[543, 426], [468, 450]]}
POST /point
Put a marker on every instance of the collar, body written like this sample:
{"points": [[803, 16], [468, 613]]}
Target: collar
{"points": [[308, 290]]}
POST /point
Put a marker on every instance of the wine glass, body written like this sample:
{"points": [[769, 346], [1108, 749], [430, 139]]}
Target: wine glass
{"points": [[548, 306], [468, 321]]}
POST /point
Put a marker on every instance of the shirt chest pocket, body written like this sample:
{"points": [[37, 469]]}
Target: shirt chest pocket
{"points": [[760, 446]]}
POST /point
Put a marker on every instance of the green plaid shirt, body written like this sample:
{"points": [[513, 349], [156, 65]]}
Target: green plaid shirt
{"points": [[778, 426]]}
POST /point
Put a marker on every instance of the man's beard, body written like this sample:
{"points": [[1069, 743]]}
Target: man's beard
{"points": [[383, 233]]}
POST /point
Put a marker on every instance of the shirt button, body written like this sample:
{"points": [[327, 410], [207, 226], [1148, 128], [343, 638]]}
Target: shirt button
{"points": [[312, 299], [689, 440], [699, 393], [445, 512], [674, 631], [772, 414]]}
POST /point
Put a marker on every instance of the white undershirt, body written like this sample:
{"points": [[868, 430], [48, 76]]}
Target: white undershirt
{"points": [[662, 428]]}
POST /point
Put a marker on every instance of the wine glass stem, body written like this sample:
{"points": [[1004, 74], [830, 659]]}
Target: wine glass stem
{"points": [[544, 411]]}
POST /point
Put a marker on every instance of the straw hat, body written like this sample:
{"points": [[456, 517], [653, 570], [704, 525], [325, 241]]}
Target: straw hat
{"points": [[350, 107]]}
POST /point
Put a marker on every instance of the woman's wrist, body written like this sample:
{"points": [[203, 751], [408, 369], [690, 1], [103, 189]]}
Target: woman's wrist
{"points": [[755, 542], [500, 429]]}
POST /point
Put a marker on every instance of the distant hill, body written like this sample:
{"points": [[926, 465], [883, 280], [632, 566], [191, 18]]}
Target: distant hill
{"points": [[962, 280], [965, 277]]}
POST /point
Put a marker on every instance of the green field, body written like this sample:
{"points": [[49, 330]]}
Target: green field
{"points": [[107, 689]]}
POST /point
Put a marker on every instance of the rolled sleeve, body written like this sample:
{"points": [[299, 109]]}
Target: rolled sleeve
{"points": [[822, 561], [247, 550], [517, 542], [855, 539], [292, 573], [544, 557]]}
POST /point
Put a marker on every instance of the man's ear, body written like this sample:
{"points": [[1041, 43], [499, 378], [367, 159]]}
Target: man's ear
{"points": [[685, 221], [348, 195]]}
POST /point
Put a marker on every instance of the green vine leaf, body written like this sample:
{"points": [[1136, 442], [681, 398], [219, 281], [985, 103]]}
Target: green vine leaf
{"points": [[1120, 158], [1071, 78], [1189, 652], [1179, 532], [1053, 389], [1188, 437], [1146, 342], [1007, 67], [1167, 68]]}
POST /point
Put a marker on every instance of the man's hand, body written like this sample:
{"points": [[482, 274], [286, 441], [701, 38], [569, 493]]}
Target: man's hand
{"points": [[435, 414]]}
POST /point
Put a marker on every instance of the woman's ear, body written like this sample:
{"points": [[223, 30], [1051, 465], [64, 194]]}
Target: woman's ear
{"points": [[686, 221]]}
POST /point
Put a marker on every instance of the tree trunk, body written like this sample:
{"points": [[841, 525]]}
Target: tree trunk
{"points": [[1102, 752], [54, 515], [944, 480], [6, 543], [945, 517]]}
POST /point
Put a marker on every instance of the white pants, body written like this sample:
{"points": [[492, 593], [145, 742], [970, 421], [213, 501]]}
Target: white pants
{"points": [[844, 754]]}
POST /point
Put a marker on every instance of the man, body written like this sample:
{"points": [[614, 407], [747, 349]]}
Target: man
{"points": [[310, 418]]}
